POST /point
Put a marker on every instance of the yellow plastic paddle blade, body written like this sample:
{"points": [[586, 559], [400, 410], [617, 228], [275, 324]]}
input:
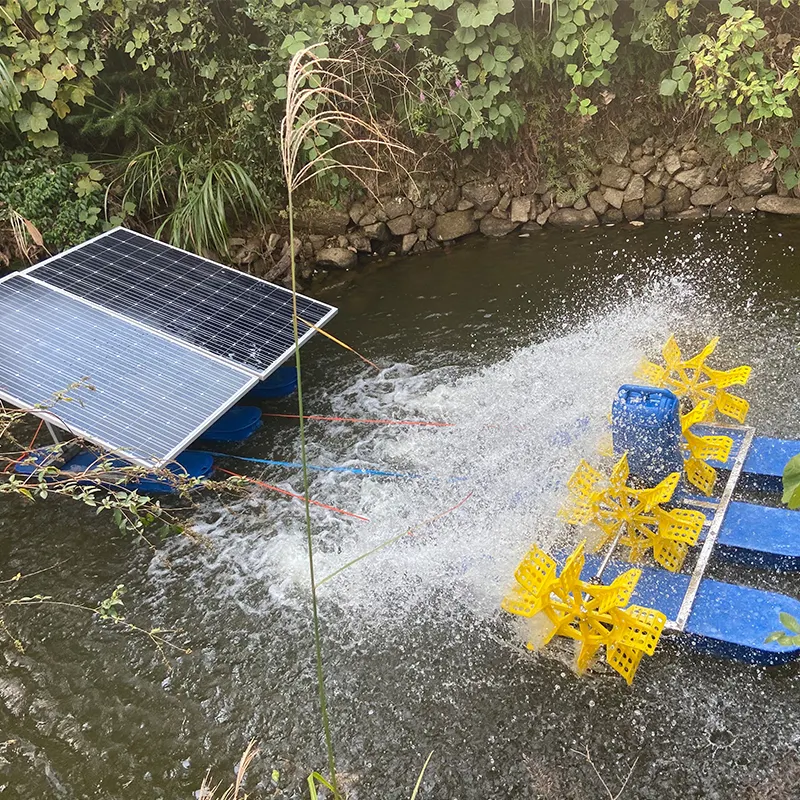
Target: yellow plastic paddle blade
{"points": [[709, 448], [620, 473], [535, 576], [582, 485], [732, 406], [642, 628], [698, 414], [671, 353], [661, 493], [570, 576], [619, 592], [698, 361], [625, 660], [538, 630], [680, 524], [723, 378], [650, 374], [586, 654], [700, 475], [669, 554]]}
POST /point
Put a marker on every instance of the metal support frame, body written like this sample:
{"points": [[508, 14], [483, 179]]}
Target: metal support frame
{"points": [[700, 567], [720, 508]]}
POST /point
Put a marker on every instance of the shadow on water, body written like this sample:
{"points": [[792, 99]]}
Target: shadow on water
{"points": [[513, 342]]}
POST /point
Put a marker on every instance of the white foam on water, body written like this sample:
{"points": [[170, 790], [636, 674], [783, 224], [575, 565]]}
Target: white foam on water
{"points": [[519, 428]]}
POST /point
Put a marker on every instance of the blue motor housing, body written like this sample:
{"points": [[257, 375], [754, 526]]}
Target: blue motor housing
{"points": [[645, 424]]}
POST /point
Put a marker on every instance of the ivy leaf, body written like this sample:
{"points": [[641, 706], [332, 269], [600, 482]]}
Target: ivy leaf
{"points": [[440, 5], [791, 484], [668, 87], [502, 53], [467, 14], [559, 49], [796, 139], [465, 35]]}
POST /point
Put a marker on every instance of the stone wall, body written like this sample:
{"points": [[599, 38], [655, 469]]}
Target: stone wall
{"points": [[652, 180]]}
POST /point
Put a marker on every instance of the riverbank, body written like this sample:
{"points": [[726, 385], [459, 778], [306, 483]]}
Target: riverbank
{"points": [[635, 181]]}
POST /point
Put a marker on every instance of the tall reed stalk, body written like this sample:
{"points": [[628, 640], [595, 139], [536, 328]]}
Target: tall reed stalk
{"points": [[318, 98]]}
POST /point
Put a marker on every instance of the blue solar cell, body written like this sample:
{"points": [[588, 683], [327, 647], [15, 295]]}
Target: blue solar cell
{"points": [[151, 396], [224, 311]]}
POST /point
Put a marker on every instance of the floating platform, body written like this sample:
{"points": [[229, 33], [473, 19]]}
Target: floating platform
{"points": [[726, 619], [188, 464], [282, 383], [235, 425], [765, 461]]}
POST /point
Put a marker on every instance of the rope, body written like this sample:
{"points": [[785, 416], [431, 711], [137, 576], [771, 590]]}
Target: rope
{"points": [[298, 465], [292, 494]]}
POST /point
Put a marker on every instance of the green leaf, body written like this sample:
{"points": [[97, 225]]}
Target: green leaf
{"points": [[668, 87], [440, 5], [467, 15], [789, 622], [502, 53], [783, 152], [796, 139], [559, 49], [791, 483]]}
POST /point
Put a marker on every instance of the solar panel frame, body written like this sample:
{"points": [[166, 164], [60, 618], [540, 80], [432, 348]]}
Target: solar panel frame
{"points": [[233, 380], [238, 278]]}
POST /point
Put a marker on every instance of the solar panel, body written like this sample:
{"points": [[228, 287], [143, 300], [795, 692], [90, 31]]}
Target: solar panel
{"points": [[224, 311], [151, 396]]}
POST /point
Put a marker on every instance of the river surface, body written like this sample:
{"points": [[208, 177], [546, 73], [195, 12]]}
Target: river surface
{"points": [[511, 342]]}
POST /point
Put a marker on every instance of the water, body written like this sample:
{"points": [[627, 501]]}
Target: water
{"points": [[513, 343]]}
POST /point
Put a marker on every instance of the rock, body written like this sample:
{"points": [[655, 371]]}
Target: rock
{"points": [[722, 208], [691, 158], [656, 212], [273, 242], [322, 220], [424, 218], [357, 212], [615, 150], [464, 205], [395, 207], [401, 226], [649, 146], [773, 204], [694, 178], [676, 199], [598, 203], [422, 234], [575, 218], [530, 227], [635, 190], [782, 190], [580, 204], [409, 240], [615, 177], [672, 162], [709, 195], [636, 153], [544, 216], [745, 205], [692, 213], [336, 258], [614, 197], [505, 202], [520, 209], [377, 231], [317, 242], [493, 226], [756, 179], [478, 215], [613, 216], [368, 219], [448, 199], [484, 195], [653, 195], [360, 242], [633, 209], [453, 225], [644, 165]]}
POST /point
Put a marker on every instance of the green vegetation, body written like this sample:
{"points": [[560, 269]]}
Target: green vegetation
{"points": [[176, 106]]}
